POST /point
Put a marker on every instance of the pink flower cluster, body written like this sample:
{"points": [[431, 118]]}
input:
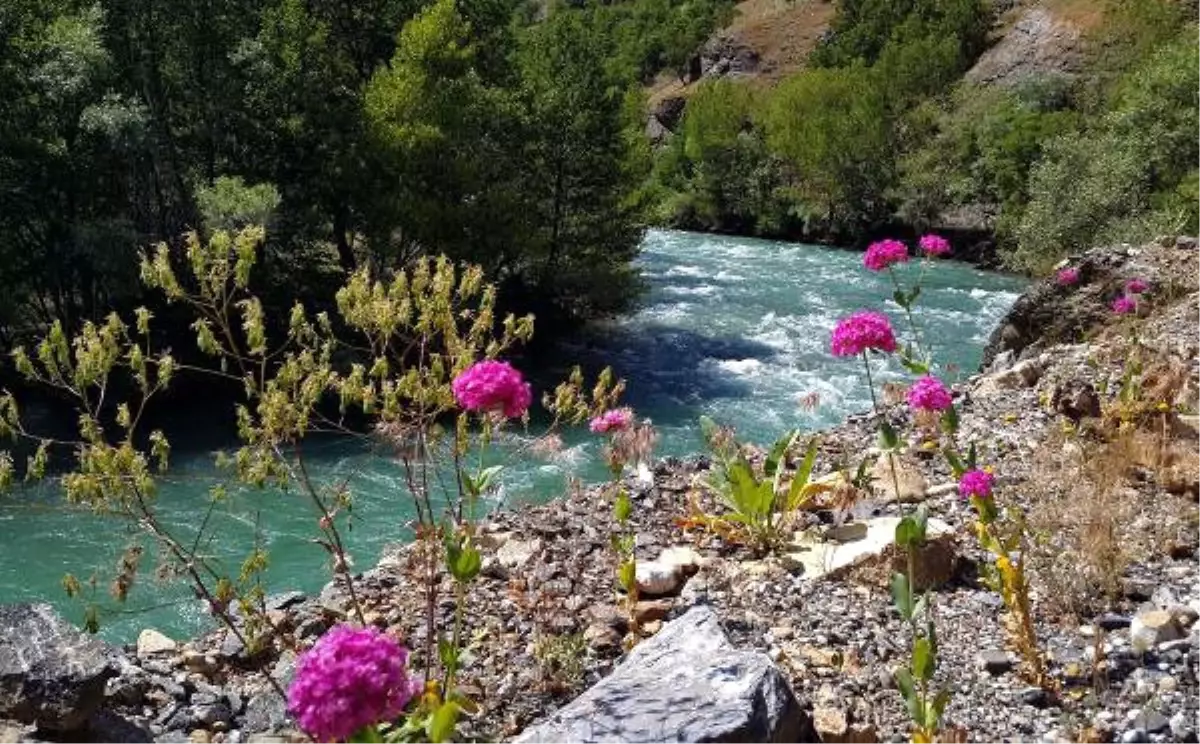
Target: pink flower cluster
{"points": [[1067, 277], [1124, 305], [1136, 286], [975, 483], [929, 394], [860, 331], [492, 386], [934, 245], [352, 678], [884, 253], [618, 419]]}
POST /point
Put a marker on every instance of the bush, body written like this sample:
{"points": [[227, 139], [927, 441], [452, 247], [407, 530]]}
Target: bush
{"points": [[1127, 177]]}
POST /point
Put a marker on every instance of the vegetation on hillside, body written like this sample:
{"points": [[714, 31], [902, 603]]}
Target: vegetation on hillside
{"points": [[366, 134], [881, 130]]}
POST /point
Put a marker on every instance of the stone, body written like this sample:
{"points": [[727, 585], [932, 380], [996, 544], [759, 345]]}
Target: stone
{"points": [[152, 643], [649, 610], [51, 673], [655, 578], [602, 637], [199, 663], [1151, 721], [1185, 243], [683, 559], [1111, 621], [912, 484], [1182, 726], [514, 554], [875, 556], [200, 736], [210, 715], [1035, 696], [995, 662], [688, 683], [1153, 627], [266, 712], [285, 600], [832, 725], [1134, 736]]}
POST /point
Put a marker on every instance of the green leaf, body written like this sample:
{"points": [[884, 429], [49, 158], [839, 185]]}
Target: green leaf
{"points": [[448, 654], [935, 708], [913, 294], [627, 575], [623, 507], [443, 721], [777, 453], [803, 473], [901, 298], [901, 595], [971, 457], [908, 532], [924, 659], [904, 683], [955, 462], [888, 439], [949, 420]]}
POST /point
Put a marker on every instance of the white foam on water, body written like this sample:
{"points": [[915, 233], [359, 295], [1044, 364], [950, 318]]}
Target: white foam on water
{"points": [[740, 366]]}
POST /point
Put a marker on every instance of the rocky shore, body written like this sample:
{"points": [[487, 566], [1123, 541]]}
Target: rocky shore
{"points": [[791, 646]]}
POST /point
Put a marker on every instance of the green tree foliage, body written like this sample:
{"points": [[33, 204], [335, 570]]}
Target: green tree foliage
{"points": [[372, 132], [1128, 176], [831, 127], [717, 174], [864, 29]]}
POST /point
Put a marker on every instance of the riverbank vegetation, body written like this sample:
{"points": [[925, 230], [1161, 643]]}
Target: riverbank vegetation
{"points": [[364, 134], [883, 129]]}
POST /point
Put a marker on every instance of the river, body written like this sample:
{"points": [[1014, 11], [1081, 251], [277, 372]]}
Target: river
{"points": [[734, 328]]}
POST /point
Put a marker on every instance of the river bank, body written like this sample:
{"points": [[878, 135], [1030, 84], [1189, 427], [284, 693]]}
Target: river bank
{"points": [[545, 625]]}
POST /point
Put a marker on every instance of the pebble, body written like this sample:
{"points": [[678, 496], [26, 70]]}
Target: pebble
{"points": [[994, 662], [1134, 736]]}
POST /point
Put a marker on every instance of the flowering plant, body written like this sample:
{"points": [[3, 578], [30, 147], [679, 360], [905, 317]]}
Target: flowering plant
{"points": [[350, 680], [1067, 277]]}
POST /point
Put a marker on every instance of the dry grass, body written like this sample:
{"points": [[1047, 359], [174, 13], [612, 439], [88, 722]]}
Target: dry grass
{"points": [[781, 32], [1080, 519]]}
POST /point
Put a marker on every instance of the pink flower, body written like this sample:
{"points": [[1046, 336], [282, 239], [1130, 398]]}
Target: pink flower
{"points": [[352, 678], [1124, 305], [975, 483], [1067, 277], [934, 245], [617, 419], [929, 394], [1136, 286], [492, 386], [860, 331], [884, 253]]}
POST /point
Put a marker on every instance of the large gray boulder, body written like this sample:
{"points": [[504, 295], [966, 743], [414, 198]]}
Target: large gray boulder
{"points": [[686, 684], [51, 673]]}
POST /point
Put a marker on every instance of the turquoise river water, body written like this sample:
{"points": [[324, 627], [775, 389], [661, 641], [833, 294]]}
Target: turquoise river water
{"points": [[734, 328]]}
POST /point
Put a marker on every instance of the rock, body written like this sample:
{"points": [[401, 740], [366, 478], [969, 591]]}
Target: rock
{"points": [[994, 662], [1182, 726], [683, 559], [830, 723], [1153, 627], [1185, 243], [285, 600], [912, 484], [199, 663], [875, 557], [649, 610], [212, 714], [1151, 721], [1134, 736], [265, 712], [654, 578], [1042, 44], [200, 736], [516, 553], [1110, 621], [152, 643], [602, 637], [1185, 616], [688, 683], [1034, 696], [51, 673]]}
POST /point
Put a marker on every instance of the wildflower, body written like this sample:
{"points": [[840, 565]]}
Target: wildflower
{"points": [[860, 331], [352, 678], [975, 483], [1067, 277], [615, 420], [492, 386], [884, 253], [1136, 286], [1124, 304], [934, 245], [929, 394]]}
